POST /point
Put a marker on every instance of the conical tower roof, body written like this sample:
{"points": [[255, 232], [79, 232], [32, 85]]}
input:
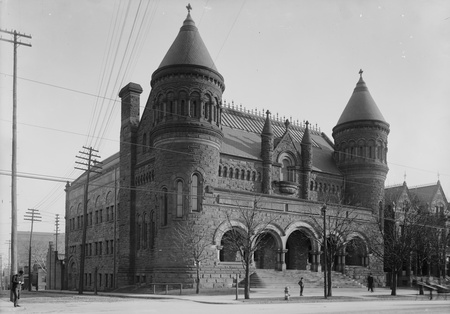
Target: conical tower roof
{"points": [[188, 48], [361, 106]]}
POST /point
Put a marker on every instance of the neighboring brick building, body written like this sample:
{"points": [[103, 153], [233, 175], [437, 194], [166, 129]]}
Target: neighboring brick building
{"points": [[190, 156], [431, 202]]}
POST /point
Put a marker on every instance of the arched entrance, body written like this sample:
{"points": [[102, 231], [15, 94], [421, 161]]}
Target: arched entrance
{"points": [[298, 248], [355, 252], [266, 256], [73, 276]]}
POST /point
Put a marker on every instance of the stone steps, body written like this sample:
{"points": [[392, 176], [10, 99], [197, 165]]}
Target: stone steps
{"points": [[264, 278]]}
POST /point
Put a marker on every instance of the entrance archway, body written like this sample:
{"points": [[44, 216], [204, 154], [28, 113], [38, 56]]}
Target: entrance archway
{"points": [[73, 276], [298, 248], [266, 256]]}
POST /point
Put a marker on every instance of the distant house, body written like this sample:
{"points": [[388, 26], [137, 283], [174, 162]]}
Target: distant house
{"points": [[431, 202]]}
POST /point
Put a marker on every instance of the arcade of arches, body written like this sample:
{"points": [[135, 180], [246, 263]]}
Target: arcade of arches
{"points": [[297, 250]]}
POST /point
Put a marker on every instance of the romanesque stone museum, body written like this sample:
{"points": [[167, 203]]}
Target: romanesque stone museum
{"points": [[191, 157]]}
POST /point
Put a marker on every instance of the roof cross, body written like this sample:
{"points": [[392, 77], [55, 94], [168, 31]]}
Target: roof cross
{"points": [[189, 8], [360, 73]]}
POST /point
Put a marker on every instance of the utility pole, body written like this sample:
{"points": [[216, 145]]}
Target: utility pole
{"points": [[88, 164], [13, 268], [57, 230], [56, 248], [325, 262], [31, 215]]}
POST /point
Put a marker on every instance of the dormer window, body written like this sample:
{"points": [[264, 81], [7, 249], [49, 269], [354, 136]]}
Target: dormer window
{"points": [[287, 171]]}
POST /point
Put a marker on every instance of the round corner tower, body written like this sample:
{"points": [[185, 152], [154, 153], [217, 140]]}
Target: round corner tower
{"points": [[361, 137], [185, 113]]}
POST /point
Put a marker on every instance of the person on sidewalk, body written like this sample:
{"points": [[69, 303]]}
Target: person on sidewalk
{"points": [[370, 283], [300, 283], [16, 287]]}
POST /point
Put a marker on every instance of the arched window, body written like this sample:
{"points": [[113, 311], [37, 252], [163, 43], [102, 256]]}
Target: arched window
{"points": [[237, 174], [242, 174], [138, 232], [231, 173], [225, 172], [179, 199], [195, 191], [220, 171], [145, 231], [144, 143], [164, 208], [152, 229]]}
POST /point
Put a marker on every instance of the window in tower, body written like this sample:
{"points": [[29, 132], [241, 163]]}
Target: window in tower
{"points": [[195, 193], [179, 199], [164, 208], [144, 143]]}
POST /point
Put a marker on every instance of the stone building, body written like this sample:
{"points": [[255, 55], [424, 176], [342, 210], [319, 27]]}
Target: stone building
{"points": [[191, 157], [429, 206]]}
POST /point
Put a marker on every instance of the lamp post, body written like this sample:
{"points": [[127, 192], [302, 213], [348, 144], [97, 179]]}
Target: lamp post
{"points": [[325, 264]]}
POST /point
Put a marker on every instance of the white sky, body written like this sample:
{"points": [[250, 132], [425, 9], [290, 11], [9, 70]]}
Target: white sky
{"points": [[299, 59]]}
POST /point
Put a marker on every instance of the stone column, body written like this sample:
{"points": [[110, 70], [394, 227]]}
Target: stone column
{"points": [[281, 259]]}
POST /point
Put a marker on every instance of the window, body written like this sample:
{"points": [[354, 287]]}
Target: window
{"points": [[138, 232], [111, 243], [164, 208], [195, 193], [152, 229], [99, 280], [100, 248], [179, 199], [107, 247], [96, 216], [101, 215], [144, 143], [112, 213], [107, 213], [285, 170]]}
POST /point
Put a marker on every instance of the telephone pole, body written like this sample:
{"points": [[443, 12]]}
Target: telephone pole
{"points": [[88, 164], [31, 215], [16, 43], [57, 230]]}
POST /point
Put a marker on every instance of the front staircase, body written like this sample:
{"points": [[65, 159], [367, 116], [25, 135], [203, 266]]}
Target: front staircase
{"points": [[267, 278]]}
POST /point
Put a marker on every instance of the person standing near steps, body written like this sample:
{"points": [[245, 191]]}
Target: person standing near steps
{"points": [[370, 283], [300, 283]]}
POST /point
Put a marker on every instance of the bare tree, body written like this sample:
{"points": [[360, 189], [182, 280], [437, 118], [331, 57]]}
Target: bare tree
{"points": [[192, 242], [247, 237], [396, 237], [339, 225]]}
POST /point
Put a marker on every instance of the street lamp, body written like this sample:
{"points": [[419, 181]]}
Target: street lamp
{"points": [[324, 212]]}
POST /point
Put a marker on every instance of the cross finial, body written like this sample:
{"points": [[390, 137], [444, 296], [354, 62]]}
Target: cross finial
{"points": [[404, 176], [189, 8], [360, 73], [438, 175]]}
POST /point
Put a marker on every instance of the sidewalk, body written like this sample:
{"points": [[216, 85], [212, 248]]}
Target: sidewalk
{"points": [[273, 296]]}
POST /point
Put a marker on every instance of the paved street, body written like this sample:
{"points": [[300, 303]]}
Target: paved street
{"points": [[263, 301]]}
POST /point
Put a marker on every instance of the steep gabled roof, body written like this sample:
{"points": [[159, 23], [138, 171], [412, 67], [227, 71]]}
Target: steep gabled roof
{"points": [[242, 138]]}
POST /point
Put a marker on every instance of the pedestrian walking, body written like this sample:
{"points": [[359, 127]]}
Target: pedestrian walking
{"points": [[300, 283], [370, 283], [16, 287]]}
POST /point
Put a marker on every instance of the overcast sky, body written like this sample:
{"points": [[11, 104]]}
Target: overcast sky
{"points": [[298, 59]]}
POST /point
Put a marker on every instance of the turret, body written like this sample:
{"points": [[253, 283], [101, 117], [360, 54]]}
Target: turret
{"points": [[360, 137], [267, 154], [306, 155]]}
